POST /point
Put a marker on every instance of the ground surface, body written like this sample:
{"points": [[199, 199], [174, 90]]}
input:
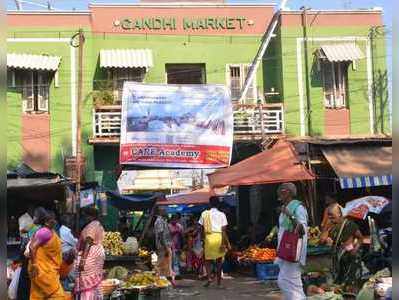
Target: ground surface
{"points": [[235, 287]]}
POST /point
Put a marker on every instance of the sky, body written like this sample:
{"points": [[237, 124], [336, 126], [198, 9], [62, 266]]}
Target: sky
{"points": [[387, 6]]}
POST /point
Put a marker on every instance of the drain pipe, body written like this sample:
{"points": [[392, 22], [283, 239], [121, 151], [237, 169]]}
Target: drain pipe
{"points": [[305, 44]]}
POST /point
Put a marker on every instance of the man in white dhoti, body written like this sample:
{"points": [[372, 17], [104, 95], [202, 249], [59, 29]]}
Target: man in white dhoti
{"points": [[293, 217]]}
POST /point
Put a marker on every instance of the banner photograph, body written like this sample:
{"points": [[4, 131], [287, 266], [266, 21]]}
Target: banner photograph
{"points": [[187, 126]]}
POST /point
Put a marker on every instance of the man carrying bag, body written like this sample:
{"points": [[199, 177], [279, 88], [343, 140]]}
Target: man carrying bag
{"points": [[292, 242]]}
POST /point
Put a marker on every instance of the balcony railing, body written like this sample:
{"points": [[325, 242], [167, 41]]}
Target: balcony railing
{"points": [[250, 122]]}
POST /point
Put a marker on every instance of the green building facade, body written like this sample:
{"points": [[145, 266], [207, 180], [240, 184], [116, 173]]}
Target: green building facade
{"points": [[44, 135]]}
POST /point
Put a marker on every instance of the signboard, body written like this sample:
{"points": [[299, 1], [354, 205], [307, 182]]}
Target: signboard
{"points": [[180, 126], [162, 23], [86, 197]]}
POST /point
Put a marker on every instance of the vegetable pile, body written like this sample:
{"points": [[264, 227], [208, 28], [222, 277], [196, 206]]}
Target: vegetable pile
{"points": [[255, 253], [113, 244], [145, 279]]}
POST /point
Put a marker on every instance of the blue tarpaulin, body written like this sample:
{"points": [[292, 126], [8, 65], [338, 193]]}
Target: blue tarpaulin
{"points": [[135, 202], [186, 209]]}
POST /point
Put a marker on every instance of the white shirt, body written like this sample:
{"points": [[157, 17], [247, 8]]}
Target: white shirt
{"points": [[301, 216], [218, 220], [68, 241], [25, 222]]}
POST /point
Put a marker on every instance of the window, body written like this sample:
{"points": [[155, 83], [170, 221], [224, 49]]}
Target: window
{"points": [[335, 83], [35, 91], [185, 73], [235, 77], [119, 76], [10, 78]]}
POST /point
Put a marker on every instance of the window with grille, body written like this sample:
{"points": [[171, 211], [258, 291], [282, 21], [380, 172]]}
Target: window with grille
{"points": [[235, 78], [35, 86], [335, 83], [119, 76]]}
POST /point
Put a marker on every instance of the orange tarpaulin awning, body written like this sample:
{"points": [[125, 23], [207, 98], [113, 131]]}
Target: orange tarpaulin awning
{"points": [[279, 164], [196, 197]]}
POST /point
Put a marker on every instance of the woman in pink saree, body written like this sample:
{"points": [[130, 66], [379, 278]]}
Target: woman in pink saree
{"points": [[90, 262]]}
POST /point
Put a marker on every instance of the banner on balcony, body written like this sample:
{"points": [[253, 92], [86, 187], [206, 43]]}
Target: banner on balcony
{"points": [[179, 126]]}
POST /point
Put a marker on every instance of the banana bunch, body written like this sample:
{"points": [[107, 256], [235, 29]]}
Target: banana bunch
{"points": [[144, 253], [314, 236], [113, 244]]}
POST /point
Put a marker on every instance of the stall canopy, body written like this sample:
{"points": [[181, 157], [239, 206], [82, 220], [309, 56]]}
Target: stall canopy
{"points": [[25, 177], [197, 197], [279, 164], [136, 202], [360, 166]]}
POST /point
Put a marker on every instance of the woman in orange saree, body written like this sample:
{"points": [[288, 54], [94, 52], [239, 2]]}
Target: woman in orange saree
{"points": [[45, 261]]}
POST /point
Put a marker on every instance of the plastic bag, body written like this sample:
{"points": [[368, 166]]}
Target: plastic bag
{"points": [[13, 288], [131, 246]]}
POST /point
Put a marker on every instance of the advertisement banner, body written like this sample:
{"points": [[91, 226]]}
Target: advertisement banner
{"points": [[179, 126]]}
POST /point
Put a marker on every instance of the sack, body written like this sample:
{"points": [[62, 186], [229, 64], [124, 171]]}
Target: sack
{"points": [[13, 288], [290, 247], [131, 246]]}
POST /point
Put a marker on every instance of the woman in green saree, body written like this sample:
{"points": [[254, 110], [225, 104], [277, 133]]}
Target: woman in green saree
{"points": [[346, 239]]}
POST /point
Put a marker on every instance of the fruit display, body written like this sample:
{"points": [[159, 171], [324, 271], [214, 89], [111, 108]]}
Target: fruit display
{"points": [[145, 279], [113, 244], [313, 236], [255, 253], [143, 253]]}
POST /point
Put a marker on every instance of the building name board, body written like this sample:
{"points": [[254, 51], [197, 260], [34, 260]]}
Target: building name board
{"points": [[206, 23]]}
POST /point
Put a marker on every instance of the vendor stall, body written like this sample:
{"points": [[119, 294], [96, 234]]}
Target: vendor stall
{"points": [[26, 187], [134, 285], [127, 253]]}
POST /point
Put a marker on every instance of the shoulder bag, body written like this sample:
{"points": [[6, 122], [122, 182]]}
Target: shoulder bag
{"points": [[290, 246]]}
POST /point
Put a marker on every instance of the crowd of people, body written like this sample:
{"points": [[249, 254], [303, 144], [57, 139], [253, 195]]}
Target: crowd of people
{"points": [[54, 259], [194, 245]]}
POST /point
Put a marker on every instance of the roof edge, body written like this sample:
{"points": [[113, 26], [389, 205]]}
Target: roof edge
{"points": [[182, 4], [46, 12], [333, 11]]}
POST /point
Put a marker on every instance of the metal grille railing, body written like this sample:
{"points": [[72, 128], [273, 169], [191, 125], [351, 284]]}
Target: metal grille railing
{"points": [[248, 120]]}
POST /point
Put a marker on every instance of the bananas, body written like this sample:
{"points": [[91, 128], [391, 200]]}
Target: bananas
{"points": [[144, 253], [113, 244]]}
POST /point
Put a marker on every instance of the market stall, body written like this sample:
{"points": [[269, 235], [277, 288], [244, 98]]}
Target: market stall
{"points": [[26, 187], [127, 253], [131, 285]]}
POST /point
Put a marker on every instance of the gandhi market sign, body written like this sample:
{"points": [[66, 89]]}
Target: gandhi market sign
{"points": [[161, 23]]}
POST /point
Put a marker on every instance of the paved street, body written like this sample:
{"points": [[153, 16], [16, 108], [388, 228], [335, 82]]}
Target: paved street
{"points": [[237, 287]]}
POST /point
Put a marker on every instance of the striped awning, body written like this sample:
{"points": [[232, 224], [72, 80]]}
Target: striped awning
{"points": [[364, 181], [33, 62], [359, 166], [341, 52], [126, 58]]}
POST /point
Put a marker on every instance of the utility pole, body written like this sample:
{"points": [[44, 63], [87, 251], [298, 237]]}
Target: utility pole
{"points": [[305, 43], [78, 173]]}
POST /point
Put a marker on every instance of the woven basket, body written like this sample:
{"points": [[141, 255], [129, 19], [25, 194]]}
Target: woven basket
{"points": [[107, 288]]}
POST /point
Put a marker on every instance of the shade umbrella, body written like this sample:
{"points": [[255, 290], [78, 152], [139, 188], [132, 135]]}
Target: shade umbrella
{"points": [[361, 207]]}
